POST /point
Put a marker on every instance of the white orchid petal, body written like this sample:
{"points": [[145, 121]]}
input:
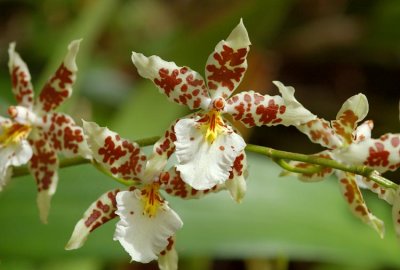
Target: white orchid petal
{"points": [[143, 237], [203, 164]]}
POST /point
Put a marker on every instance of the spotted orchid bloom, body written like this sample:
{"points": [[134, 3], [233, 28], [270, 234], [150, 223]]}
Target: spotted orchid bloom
{"points": [[147, 225], [341, 135], [206, 146], [35, 134], [382, 154]]}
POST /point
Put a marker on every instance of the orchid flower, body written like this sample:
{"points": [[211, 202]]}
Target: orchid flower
{"points": [[382, 154], [207, 147], [339, 136], [147, 225], [34, 134]]}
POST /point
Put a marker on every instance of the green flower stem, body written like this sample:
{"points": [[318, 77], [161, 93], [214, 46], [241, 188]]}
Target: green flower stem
{"points": [[290, 168], [277, 156], [68, 162], [324, 162]]}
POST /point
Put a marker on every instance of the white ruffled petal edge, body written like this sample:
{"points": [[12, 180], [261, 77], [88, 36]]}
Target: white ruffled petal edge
{"points": [[13, 155], [143, 237], [202, 164]]}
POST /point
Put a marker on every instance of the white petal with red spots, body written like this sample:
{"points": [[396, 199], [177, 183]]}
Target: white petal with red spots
{"points": [[382, 154], [65, 136], [319, 131], [355, 200], [168, 259], [226, 66], [253, 109], [43, 166], [204, 164], [363, 131], [59, 87], [20, 79], [236, 183], [122, 158], [180, 84], [387, 194], [144, 237], [352, 111], [98, 213]]}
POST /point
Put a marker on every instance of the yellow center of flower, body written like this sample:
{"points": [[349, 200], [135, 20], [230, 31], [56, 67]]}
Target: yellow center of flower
{"points": [[212, 124], [13, 133], [151, 199]]}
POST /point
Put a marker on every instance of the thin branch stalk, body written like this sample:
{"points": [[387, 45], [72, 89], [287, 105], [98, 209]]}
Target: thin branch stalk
{"points": [[276, 155]]}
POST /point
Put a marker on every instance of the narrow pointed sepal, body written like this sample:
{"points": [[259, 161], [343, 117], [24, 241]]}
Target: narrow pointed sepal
{"points": [[352, 111], [168, 259], [236, 183], [355, 200], [65, 136], [253, 109], [20, 78], [180, 84], [98, 213], [226, 66], [43, 166], [320, 131], [121, 157], [59, 87]]}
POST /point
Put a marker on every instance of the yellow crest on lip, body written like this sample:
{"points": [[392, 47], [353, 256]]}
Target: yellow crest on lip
{"points": [[14, 133], [151, 199], [212, 124]]}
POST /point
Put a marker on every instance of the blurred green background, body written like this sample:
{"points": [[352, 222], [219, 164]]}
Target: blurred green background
{"points": [[328, 50]]}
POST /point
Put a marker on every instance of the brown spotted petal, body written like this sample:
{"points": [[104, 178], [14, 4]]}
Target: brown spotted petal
{"points": [[319, 131], [353, 111], [98, 213], [20, 79], [355, 200], [162, 150], [168, 258], [381, 154], [180, 84], [172, 183], [253, 109], [387, 194], [119, 156], [59, 87], [236, 183], [363, 131], [226, 66], [43, 166], [64, 135]]}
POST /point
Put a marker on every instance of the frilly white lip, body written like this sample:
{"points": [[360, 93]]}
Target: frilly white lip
{"points": [[203, 165]]}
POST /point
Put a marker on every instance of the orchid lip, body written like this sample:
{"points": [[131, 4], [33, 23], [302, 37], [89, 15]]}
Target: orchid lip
{"points": [[14, 133]]}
